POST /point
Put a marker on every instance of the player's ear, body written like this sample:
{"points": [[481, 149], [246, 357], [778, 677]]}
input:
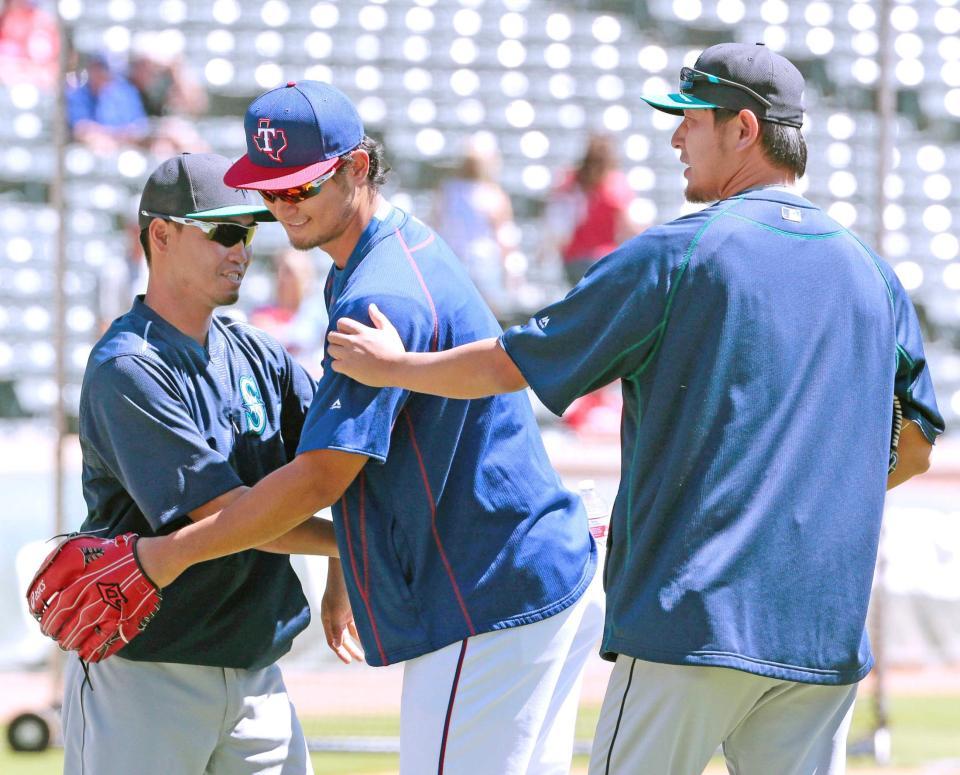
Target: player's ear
{"points": [[359, 166], [748, 128], [159, 234]]}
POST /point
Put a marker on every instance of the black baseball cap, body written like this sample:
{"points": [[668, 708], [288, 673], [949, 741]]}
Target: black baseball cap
{"points": [[191, 186], [739, 76]]}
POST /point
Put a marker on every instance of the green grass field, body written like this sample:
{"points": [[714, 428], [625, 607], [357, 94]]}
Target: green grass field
{"points": [[925, 730]]}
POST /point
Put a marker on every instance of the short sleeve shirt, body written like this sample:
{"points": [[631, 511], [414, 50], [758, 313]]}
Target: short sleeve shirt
{"points": [[759, 345], [167, 425], [458, 525]]}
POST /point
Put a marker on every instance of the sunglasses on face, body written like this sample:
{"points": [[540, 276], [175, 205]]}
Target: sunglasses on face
{"points": [[689, 76], [224, 233], [298, 194]]}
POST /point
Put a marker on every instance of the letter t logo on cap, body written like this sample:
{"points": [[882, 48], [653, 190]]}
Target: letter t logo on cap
{"points": [[267, 137]]}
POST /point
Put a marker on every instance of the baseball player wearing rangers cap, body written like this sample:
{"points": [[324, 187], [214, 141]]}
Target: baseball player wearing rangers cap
{"points": [[464, 556], [760, 346], [180, 412]]}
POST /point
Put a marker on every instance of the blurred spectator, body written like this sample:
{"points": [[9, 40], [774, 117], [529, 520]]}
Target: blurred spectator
{"points": [[29, 44], [165, 85], [170, 96], [120, 278], [104, 109], [588, 214], [297, 318], [474, 216]]}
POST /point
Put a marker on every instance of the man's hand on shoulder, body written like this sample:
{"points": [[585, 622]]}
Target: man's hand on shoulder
{"points": [[367, 354]]}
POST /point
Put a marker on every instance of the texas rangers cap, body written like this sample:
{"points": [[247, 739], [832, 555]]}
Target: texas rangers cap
{"points": [[191, 186], [295, 134], [739, 76]]}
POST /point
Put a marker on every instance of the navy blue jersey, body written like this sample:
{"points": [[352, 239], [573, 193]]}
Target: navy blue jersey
{"points": [[759, 344], [167, 425], [458, 525]]}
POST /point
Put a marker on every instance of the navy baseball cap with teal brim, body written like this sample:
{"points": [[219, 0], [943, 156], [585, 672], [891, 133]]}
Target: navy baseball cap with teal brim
{"points": [[738, 76], [295, 134], [191, 185]]}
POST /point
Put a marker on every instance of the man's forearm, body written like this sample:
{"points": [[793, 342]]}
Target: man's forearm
{"points": [[914, 455], [472, 370], [279, 502], [315, 536], [309, 537]]}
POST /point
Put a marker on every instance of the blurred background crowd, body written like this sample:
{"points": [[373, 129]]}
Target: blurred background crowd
{"points": [[513, 127]]}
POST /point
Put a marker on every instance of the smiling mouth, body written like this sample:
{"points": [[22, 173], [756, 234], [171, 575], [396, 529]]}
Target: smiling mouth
{"points": [[295, 225], [234, 276]]}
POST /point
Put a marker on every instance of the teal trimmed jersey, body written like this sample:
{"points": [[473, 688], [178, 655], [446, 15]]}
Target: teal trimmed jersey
{"points": [[759, 345], [167, 425]]}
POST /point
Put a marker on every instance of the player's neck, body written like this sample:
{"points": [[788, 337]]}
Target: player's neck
{"points": [[341, 248], [756, 175], [189, 319]]}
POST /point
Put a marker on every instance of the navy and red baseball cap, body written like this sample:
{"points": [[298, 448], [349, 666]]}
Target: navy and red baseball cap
{"points": [[739, 76], [295, 133]]}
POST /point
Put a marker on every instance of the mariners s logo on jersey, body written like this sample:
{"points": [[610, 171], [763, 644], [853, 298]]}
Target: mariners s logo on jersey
{"points": [[253, 405]]}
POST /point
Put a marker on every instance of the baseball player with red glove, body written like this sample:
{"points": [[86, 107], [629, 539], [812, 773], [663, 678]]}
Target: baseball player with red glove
{"points": [[181, 411], [91, 595]]}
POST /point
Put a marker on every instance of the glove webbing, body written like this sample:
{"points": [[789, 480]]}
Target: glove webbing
{"points": [[895, 435]]}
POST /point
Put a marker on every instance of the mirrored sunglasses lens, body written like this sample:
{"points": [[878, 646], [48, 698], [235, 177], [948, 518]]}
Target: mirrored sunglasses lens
{"points": [[228, 236], [297, 194], [290, 195]]}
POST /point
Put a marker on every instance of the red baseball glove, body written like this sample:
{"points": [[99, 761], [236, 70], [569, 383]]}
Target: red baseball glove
{"points": [[91, 595]]}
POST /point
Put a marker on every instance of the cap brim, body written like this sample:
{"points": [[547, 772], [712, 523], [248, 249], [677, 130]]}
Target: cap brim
{"points": [[245, 174], [677, 103], [259, 213]]}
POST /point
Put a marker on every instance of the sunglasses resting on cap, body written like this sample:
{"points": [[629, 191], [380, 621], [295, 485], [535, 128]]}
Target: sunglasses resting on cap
{"points": [[689, 76]]}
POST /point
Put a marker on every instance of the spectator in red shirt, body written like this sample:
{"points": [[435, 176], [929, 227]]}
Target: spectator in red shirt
{"points": [[589, 212], [29, 44]]}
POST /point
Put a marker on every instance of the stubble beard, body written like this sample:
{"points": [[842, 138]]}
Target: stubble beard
{"points": [[227, 299], [308, 242], [697, 196]]}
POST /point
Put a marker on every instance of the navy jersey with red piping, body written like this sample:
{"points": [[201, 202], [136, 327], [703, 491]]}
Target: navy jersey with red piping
{"points": [[759, 345], [458, 524], [167, 425]]}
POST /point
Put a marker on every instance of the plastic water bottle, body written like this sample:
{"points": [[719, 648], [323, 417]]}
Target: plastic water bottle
{"points": [[598, 513]]}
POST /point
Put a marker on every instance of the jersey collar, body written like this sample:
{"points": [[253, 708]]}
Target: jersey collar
{"points": [[174, 334]]}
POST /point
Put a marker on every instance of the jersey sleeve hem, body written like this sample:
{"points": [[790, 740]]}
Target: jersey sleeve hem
{"points": [[930, 433], [557, 407], [375, 456]]}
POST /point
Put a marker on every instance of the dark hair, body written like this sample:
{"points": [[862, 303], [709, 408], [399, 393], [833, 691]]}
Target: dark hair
{"points": [[599, 158], [783, 145], [377, 174], [145, 243]]}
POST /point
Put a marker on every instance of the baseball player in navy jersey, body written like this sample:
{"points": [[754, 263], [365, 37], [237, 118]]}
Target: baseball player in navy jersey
{"points": [[180, 412], [760, 346], [463, 555]]}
